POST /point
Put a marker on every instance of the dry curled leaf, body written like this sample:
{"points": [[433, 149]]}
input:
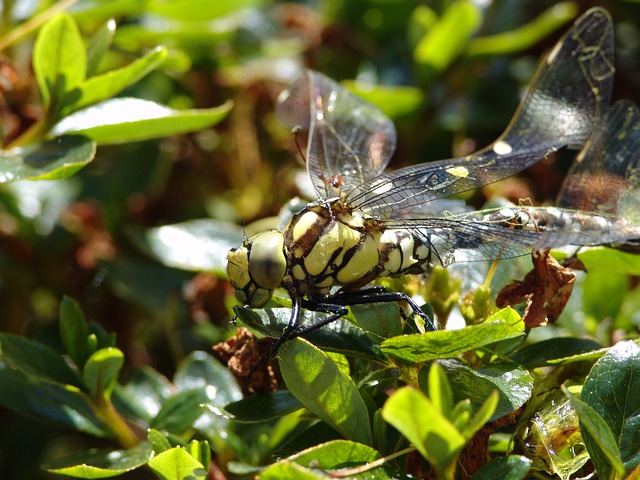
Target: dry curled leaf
{"points": [[546, 289]]}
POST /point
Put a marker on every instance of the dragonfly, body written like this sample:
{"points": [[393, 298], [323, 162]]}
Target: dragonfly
{"points": [[369, 223]]}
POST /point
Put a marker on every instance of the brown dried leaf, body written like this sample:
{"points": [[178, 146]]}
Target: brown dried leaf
{"points": [[546, 289]]}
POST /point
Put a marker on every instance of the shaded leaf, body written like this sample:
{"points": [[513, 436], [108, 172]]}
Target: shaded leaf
{"points": [[143, 394], [446, 343], [98, 45], [552, 350], [131, 119], [612, 389], [158, 441], [181, 410], [324, 389], [50, 160], [266, 406], [610, 260], [101, 463], [62, 405], [511, 467], [74, 331]]}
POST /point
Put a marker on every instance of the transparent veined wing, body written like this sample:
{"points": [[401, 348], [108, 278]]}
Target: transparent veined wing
{"points": [[599, 204], [566, 98], [349, 141]]}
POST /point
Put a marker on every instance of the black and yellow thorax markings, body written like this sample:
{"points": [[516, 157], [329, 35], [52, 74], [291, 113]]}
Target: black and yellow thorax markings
{"points": [[328, 245]]}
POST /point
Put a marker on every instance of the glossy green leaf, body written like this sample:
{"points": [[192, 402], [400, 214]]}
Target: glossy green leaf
{"points": [[324, 389], [104, 86], [334, 455], [612, 389], [447, 343], [339, 336], [511, 467], [513, 383], [132, 119], [599, 440], [449, 36], [439, 390], [101, 371], [59, 59], [553, 351], [158, 441], [50, 160], [101, 463], [190, 10], [526, 36], [143, 394], [201, 451], [180, 411], [416, 417], [37, 360], [379, 320], [74, 331], [610, 260], [177, 464], [263, 407], [197, 245], [98, 45], [61, 405], [290, 471]]}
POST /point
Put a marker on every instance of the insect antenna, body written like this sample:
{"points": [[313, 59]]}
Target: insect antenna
{"points": [[296, 138]]}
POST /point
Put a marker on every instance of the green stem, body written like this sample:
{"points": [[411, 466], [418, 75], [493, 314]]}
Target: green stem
{"points": [[106, 412], [33, 23]]}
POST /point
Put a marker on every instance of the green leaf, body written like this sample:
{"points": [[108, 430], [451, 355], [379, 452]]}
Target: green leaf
{"points": [[439, 390], [177, 464], [449, 36], [100, 463], [511, 467], [610, 260], [482, 416], [198, 10], [101, 371], [37, 360], [334, 455], [378, 320], [602, 446], [50, 160], [612, 389], [395, 101], [196, 245], [143, 394], [263, 407], [553, 350], [104, 86], [59, 60], [158, 441], [122, 120], [74, 331], [201, 451], [62, 405], [180, 411], [290, 471], [447, 343], [324, 389], [417, 418], [99, 44], [513, 383], [339, 336], [526, 36]]}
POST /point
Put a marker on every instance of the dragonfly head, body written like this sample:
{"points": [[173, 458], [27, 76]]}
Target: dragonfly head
{"points": [[257, 267]]}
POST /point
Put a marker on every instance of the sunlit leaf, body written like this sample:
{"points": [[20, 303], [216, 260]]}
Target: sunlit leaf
{"points": [[610, 260], [446, 343], [102, 369], [106, 85], [100, 463], [59, 59], [98, 45], [198, 245], [50, 160], [324, 389], [177, 464], [186, 10], [132, 119], [394, 101]]}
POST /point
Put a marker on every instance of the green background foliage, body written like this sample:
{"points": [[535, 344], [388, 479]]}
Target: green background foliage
{"points": [[140, 143]]}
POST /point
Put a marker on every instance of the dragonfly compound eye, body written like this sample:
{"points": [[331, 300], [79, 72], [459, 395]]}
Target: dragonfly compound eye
{"points": [[267, 262]]}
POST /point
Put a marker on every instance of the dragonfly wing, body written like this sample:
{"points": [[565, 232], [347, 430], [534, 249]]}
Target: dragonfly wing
{"points": [[349, 141], [568, 94]]}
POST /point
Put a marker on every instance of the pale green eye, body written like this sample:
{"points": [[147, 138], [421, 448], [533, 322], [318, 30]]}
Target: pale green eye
{"points": [[267, 263]]}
